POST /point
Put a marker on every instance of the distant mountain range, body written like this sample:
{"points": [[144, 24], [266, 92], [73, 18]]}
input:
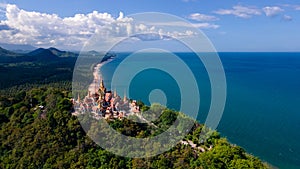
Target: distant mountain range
{"points": [[62, 53], [40, 55], [7, 56], [18, 48]]}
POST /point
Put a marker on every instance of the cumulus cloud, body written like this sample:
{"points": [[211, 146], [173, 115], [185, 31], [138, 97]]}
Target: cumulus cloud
{"points": [[44, 30], [272, 11], [202, 17], [240, 11]]}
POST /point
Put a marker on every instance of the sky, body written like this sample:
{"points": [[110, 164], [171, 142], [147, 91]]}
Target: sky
{"points": [[230, 25]]}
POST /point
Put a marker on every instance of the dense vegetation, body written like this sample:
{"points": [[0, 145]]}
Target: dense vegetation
{"points": [[37, 129]]}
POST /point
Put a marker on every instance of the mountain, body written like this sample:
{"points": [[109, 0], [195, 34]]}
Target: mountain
{"points": [[4, 52], [62, 53], [7, 56], [93, 52], [17, 47], [40, 54], [51, 53]]}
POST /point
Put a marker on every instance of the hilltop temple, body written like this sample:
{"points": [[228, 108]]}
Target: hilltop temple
{"points": [[105, 104]]}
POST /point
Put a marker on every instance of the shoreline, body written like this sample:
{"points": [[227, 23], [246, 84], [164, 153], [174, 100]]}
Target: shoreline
{"points": [[93, 87]]}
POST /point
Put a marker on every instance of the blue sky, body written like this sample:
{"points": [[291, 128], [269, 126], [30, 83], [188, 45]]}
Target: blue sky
{"points": [[231, 25]]}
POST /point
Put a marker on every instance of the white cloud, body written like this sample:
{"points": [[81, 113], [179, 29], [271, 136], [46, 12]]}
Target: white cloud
{"points": [[202, 17], [272, 11], [240, 11], [151, 37], [189, 0], [297, 7], [206, 25], [287, 18], [44, 30]]}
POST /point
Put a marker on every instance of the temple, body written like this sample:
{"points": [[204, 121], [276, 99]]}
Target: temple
{"points": [[103, 103]]}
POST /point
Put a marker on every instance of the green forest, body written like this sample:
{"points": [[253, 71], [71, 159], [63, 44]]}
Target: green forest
{"points": [[38, 129]]}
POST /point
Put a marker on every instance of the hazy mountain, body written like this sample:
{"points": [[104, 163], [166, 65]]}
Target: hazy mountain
{"points": [[60, 53], [39, 55], [5, 52], [17, 47], [93, 52], [7, 56]]}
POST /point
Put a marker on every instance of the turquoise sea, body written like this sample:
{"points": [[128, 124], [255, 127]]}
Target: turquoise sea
{"points": [[262, 112]]}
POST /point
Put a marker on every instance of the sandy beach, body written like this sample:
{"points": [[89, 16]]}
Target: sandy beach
{"points": [[94, 86]]}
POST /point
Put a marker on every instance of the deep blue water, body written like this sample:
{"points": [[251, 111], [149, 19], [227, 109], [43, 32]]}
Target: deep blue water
{"points": [[262, 111]]}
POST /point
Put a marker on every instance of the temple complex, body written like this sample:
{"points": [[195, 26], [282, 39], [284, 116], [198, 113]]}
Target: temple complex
{"points": [[105, 104]]}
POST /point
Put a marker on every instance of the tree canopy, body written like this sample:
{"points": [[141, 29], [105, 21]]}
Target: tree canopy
{"points": [[39, 131]]}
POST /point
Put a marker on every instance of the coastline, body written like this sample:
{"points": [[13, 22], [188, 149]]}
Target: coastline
{"points": [[97, 77], [94, 86]]}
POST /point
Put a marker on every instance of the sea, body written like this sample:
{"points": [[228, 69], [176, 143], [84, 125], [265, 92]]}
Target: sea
{"points": [[262, 109]]}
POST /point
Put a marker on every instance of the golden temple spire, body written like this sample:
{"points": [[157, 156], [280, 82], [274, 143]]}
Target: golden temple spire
{"points": [[101, 84], [78, 98], [115, 93], [125, 98], [102, 87]]}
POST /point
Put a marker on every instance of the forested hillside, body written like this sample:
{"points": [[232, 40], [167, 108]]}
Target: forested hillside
{"points": [[38, 131]]}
